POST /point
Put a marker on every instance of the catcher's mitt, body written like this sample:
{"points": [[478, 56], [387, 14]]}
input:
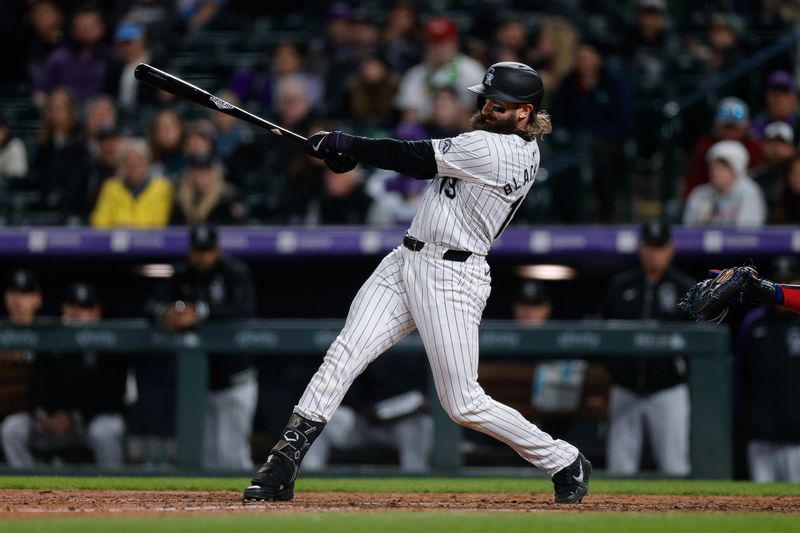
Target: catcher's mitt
{"points": [[710, 300]]}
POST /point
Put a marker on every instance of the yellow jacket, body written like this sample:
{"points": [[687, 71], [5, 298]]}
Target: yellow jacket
{"points": [[116, 206]]}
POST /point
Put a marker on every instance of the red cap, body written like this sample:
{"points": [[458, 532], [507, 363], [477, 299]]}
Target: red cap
{"points": [[441, 29]]}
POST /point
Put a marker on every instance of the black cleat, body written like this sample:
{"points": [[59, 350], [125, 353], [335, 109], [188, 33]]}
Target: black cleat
{"points": [[273, 481], [571, 484]]}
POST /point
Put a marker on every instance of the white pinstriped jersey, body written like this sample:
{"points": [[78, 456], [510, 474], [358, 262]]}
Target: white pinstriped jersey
{"points": [[482, 178]]}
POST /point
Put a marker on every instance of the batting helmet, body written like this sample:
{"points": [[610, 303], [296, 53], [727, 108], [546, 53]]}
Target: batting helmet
{"points": [[511, 82]]}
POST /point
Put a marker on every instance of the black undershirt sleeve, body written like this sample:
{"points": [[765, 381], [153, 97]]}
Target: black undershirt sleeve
{"points": [[413, 158]]}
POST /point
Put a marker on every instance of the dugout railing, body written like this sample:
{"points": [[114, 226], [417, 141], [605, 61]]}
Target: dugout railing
{"points": [[706, 347]]}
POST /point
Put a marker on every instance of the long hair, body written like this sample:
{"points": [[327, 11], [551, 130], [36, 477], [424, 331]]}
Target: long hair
{"points": [[539, 124]]}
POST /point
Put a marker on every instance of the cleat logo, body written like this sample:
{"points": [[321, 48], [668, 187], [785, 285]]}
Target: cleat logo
{"points": [[579, 477]]}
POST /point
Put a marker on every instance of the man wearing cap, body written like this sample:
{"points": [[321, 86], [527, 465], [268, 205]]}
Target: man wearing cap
{"points": [[131, 49], [781, 99], [214, 286], [768, 368], [731, 123], [442, 66], [779, 150], [649, 392], [76, 398], [731, 197], [22, 299]]}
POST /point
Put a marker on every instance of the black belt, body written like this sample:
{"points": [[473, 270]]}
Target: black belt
{"points": [[450, 255]]}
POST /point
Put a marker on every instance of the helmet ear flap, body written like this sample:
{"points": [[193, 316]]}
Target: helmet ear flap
{"points": [[481, 102]]}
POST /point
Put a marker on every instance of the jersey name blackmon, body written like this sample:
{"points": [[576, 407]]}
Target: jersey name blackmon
{"points": [[482, 179]]}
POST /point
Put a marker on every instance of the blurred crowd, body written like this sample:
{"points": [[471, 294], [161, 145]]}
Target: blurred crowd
{"points": [[639, 93]]}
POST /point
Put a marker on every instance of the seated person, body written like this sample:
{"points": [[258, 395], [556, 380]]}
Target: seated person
{"points": [[76, 399], [386, 406]]}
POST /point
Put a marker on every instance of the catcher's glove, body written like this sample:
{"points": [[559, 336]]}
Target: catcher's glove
{"points": [[710, 300]]}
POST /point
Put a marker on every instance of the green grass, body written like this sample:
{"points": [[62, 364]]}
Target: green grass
{"points": [[422, 522], [397, 484]]}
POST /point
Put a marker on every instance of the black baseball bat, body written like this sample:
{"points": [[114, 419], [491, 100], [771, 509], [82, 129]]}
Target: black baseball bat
{"points": [[172, 84]]}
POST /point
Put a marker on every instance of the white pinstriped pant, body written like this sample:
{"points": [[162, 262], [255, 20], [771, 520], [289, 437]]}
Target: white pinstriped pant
{"points": [[444, 300]]}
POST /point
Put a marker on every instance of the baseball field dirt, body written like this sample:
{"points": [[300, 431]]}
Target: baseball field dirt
{"points": [[20, 503]]}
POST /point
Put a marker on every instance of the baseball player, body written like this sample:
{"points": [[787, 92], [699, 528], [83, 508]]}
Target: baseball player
{"points": [[438, 280]]}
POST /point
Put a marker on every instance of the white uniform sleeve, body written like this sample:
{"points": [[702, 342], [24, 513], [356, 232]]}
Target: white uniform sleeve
{"points": [[466, 156]]}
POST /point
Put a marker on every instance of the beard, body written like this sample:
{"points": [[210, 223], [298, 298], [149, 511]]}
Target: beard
{"points": [[506, 125]]}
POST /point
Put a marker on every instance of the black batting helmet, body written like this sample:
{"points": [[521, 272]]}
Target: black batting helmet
{"points": [[511, 82]]}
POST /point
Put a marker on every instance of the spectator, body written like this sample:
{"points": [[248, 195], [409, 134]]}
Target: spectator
{"points": [[768, 369], [593, 109], [371, 94], [288, 60], [134, 198], [42, 33], [132, 48], [402, 37], [443, 65], [787, 209], [781, 100], [61, 162], [722, 49], [106, 163], [449, 116], [386, 406], [779, 150], [22, 299], [198, 14], [397, 196], [201, 136], [651, 54], [236, 145], [344, 201], [554, 54], [165, 139], [510, 41], [76, 399], [331, 54], [101, 115], [82, 65], [731, 197], [732, 123], [204, 196], [213, 286], [13, 154], [157, 17], [649, 392]]}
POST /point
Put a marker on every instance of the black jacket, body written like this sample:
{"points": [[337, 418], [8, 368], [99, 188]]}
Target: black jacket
{"points": [[228, 292], [769, 366], [89, 383], [632, 297]]}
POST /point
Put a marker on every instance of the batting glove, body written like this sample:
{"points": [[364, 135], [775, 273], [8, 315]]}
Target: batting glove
{"points": [[324, 144], [341, 163]]}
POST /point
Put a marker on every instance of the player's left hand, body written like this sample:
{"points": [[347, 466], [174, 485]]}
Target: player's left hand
{"points": [[325, 144], [341, 163], [710, 300]]}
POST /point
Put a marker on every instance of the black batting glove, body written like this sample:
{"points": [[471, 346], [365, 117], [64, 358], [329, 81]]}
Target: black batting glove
{"points": [[341, 163], [324, 144]]}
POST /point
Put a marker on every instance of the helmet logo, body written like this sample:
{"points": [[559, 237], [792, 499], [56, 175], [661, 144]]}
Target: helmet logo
{"points": [[489, 77]]}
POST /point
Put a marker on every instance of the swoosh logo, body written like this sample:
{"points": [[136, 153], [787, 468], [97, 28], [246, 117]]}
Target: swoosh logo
{"points": [[579, 477], [316, 148]]}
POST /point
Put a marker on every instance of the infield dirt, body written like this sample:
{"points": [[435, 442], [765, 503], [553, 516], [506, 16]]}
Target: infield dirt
{"points": [[35, 503]]}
